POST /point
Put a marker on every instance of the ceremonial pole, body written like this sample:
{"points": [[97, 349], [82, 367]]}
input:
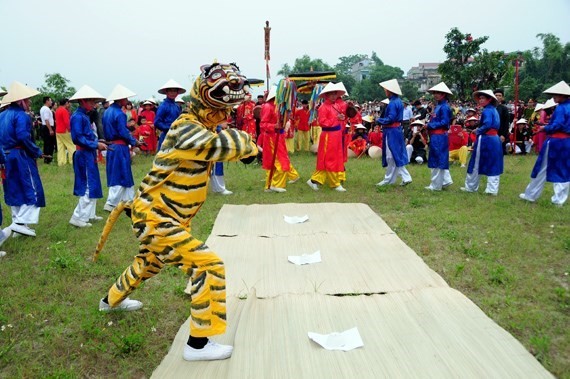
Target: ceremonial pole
{"points": [[267, 31], [515, 118]]}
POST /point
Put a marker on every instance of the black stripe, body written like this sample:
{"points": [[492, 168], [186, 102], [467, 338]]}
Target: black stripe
{"points": [[183, 186]]}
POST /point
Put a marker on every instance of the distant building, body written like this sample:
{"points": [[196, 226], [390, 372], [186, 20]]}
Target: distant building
{"points": [[425, 75], [361, 70]]}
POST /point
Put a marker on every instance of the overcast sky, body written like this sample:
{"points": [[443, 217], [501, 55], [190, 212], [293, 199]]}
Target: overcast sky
{"points": [[141, 44]]}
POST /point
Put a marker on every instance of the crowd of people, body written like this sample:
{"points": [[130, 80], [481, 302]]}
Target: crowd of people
{"points": [[394, 130]]}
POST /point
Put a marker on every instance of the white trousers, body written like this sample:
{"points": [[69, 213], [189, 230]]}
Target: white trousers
{"points": [[85, 209], [440, 178], [25, 214], [217, 183], [393, 172], [118, 194], [536, 185], [472, 180]]}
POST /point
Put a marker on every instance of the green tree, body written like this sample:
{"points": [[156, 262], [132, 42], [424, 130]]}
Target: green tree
{"points": [[346, 63], [490, 68], [304, 64], [409, 90], [56, 86], [457, 70]]}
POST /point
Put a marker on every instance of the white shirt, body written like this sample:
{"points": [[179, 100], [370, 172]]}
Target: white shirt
{"points": [[46, 115], [408, 114]]}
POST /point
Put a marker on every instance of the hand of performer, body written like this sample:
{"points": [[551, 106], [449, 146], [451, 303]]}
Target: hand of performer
{"points": [[502, 139], [340, 116], [101, 146]]}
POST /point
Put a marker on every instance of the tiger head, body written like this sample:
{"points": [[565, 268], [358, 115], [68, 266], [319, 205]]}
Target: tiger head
{"points": [[216, 91]]}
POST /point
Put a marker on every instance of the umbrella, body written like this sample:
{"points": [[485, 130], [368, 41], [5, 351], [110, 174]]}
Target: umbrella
{"points": [[255, 82], [313, 75]]}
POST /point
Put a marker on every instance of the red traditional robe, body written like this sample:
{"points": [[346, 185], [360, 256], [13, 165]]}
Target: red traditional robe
{"points": [[244, 118], [267, 125], [152, 141], [332, 151]]}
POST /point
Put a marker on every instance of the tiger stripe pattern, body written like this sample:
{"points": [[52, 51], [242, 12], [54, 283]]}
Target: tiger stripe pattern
{"points": [[174, 190]]}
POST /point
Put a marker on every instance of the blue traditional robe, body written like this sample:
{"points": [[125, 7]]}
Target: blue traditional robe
{"points": [[166, 114], [85, 157], [22, 185], [491, 150], [558, 160], [439, 143], [394, 113], [118, 156]]}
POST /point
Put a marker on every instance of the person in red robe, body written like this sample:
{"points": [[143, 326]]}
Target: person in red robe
{"points": [[375, 137], [244, 117], [303, 130], [332, 151], [274, 138], [149, 114]]}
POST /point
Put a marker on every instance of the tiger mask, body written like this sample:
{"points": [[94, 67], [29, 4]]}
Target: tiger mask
{"points": [[215, 92]]}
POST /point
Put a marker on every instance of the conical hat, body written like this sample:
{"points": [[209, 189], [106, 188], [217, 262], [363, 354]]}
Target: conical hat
{"points": [[418, 122], [472, 119], [272, 93], [549, 104], [87, 92], [179, 100], [368, 118], [487, 92], [18, 91], [120, 92], [386, 101], [561, 88], [522, 121], [332, 87], [392, 86], [152, 101], [171, 84], [360, 126], [341, 87], [441, 87], [375, 152], [538, 107]]}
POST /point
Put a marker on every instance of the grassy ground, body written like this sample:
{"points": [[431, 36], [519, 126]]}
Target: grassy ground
{"points": [[508, 256]]}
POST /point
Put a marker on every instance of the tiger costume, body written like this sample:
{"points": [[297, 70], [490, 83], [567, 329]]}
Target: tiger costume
{"points": [[174, 190]]}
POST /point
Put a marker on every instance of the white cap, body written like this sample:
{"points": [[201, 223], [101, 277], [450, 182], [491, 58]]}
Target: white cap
{"points": [[87, 92], [179, 100], [392, 86], [171, 84], [120, 92], [560, 88], [538, 107], [441, 87], [18, 91], [418, 122], [549, 104], [386, 101], [332, 87], [486, 92]]}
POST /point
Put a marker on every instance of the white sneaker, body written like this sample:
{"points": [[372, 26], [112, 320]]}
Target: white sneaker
{"points": [[463, 166], [23, 229], [4, 235], [382, 183], [430, 188], [294, 180], [226, 192], [491, 193], [340, 188], [403, 184], [96, 218], [445, 185], [108, 207], [523, 197], [464, 189], [80, 224], [314, 186], [211, 352], [277, 189], [125, 305]]}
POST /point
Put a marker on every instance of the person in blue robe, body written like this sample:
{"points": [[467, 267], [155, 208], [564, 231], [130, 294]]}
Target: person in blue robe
{"points": [[394, 154], [487, 156], [169, 110], [553, 162]]}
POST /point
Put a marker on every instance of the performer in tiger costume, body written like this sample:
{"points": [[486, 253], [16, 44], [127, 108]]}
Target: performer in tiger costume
{"points": [[169, 197]]}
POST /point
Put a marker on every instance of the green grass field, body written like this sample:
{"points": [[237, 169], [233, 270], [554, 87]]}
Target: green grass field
{"points": [[508, 256]]}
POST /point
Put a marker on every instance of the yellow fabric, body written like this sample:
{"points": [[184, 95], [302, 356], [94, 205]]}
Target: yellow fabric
{"points": [[280, 177], [334, 179], [290, 144], [459, 154], [64, 143], [316, 133], [302, 140]]}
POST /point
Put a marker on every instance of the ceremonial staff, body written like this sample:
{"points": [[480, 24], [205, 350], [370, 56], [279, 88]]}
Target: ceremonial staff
{"points": [[267, 31]]}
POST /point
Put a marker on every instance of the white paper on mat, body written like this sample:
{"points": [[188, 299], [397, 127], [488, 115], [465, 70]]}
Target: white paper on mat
{"points": [[305, 258], [345, 341], [295, 219]]}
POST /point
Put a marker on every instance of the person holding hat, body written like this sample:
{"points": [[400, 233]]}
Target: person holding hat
{"points": [[168, 110], [23, 190], [520, 139], [438, 158], [87, 183], [487, 156], [359, 142], [275, 156], [394, 154], [331, 151], [553, 162], [458, 139], [417, 142], [119, 175]]}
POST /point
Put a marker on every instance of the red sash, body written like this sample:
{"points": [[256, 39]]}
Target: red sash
{"points": [[392, 125], [492, 132], [119, 142], [560, 135], [436, 131]]}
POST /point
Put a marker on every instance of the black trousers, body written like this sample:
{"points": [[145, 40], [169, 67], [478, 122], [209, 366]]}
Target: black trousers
{"points": [[49, 143]]}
